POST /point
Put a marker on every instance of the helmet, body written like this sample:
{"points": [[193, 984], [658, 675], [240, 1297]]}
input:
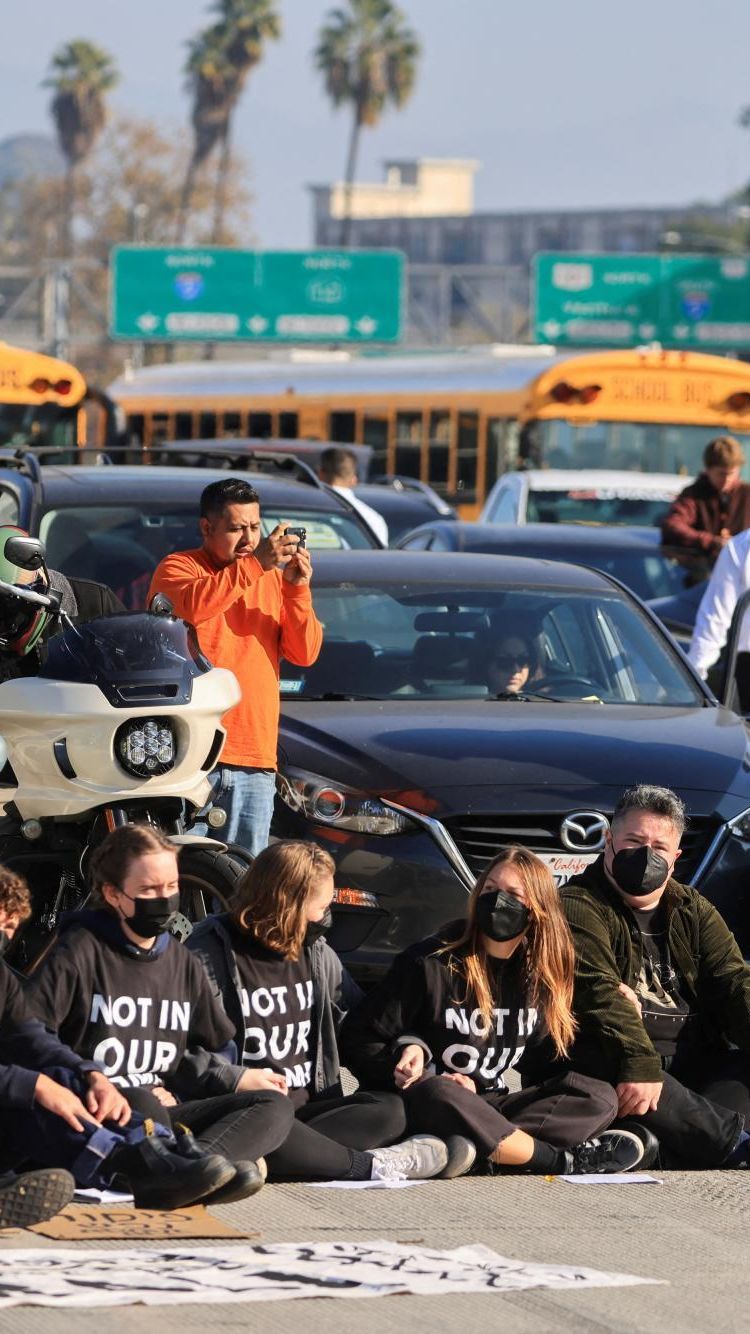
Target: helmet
{"points": [[21, 623]]}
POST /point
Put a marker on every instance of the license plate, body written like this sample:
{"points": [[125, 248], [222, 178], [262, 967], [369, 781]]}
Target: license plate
{"points": [[565, 865]]}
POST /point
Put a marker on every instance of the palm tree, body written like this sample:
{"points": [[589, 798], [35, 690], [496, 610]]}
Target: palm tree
{"points": [[219, 62], [368, 58], [80, 75]]}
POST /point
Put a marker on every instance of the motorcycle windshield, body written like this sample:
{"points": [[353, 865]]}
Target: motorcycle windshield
{"points": [[134, 658]]}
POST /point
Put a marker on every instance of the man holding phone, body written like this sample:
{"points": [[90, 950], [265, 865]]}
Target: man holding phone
{"points": [[249, 598]]}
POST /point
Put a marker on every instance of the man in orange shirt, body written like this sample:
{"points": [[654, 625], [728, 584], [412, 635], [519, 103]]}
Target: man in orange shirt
{"points": [[249, 598]]}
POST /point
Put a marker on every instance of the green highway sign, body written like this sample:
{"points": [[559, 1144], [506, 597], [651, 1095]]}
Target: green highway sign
{"points": [[216, 294], [682, 301]]}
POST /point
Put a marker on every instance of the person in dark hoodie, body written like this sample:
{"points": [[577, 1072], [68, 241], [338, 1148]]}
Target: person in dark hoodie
{"points": [[286, 992], [125, 994], [64, 1123], [455, 1013]]}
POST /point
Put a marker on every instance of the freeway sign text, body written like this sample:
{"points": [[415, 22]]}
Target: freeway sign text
{"points": [[217, 294]]}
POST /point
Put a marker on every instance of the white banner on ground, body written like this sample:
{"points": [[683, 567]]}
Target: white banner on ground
{"points": [[67, 1278]]}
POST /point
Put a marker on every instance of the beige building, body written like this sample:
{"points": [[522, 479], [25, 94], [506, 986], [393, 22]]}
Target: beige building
{"points": [[413, 188]]}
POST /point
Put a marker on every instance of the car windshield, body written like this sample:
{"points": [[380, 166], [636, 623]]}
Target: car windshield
{"points": [[650, 574], [121, 545], [394, 643], [589, 504]]}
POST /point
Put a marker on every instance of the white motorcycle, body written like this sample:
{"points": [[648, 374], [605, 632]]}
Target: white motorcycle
{"points": [[121, 723]]}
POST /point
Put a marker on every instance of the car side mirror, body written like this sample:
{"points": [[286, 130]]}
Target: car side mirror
{"points": [[25, 552]]}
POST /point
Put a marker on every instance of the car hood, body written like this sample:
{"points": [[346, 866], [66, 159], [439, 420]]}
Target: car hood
{"points": [[474, 753]]}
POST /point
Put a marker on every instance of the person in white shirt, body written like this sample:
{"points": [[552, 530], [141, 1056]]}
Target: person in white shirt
{"points": [[338, 469], [729, 580]]}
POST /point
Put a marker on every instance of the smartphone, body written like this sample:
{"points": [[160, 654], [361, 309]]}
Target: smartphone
{"points": [[301, 533]]}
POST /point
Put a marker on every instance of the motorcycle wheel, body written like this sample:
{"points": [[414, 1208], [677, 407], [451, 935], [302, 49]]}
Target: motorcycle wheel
{"points": [[208, 880]]}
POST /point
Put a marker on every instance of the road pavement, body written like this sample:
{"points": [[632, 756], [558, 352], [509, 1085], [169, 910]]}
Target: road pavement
{"points": [[691, 1231]]}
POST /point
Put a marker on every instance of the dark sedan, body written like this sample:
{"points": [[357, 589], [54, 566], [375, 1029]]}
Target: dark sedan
{"points": [[633, 555], [115, 524], [461, 705]]}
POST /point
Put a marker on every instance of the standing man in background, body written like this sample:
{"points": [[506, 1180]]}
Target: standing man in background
{"points": [[338, 468], [249, 598], [715, 507]]}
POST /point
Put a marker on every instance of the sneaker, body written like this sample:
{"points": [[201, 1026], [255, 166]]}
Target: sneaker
{"points": [[612, 1151], [161, 1178], [246, 1181], [30, 1197], [414, 1159], [462, 1155], [651, 1146]]}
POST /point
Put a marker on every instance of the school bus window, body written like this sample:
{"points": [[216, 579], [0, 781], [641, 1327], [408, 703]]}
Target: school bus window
{"points": [[343, 427], [232, 424], [260, 425], [408, 459], [161, 427], [375, 434], [466, 460], [207, 426], [183, 426], [288, 425], [439, 442], [136, 427]]}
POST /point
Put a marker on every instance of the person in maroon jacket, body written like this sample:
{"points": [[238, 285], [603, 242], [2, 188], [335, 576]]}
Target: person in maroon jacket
{"points": [[715, 507]]}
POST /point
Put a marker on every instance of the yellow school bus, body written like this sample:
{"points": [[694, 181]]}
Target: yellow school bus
{"points": [[47, 402], [457, 420]]}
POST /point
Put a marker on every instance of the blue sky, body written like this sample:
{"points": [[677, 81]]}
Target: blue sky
{"points": [[579, 104]]}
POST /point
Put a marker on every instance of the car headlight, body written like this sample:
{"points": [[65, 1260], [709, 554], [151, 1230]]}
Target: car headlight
{"points": [[329, 803], [146, 747], [740, 826]]}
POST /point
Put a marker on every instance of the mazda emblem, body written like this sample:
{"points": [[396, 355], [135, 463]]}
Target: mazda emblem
{"points": [[584, 831]]}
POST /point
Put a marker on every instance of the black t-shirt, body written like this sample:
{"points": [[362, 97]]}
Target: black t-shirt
{"points": [[665, 1011], [135, 1012], [424, 998], [278, 1009]]}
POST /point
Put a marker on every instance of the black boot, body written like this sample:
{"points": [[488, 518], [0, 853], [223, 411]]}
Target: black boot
{"points": [[161, 1178], [30, 1197], [247, 1181]]}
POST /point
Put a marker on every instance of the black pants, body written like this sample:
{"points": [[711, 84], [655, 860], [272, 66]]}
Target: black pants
{"points": [[562, 1111], [703, 1108], [327, 1133], [240, 1126]]}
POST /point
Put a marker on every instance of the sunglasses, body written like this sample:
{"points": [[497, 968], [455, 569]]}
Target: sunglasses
{"points": [[509, 660]]}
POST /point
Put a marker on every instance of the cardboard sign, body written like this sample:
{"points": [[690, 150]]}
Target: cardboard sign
{"points": [[83, 1222]]}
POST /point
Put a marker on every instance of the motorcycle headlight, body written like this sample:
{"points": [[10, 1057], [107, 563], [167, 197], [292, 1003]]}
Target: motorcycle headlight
{"points": [[146, 747], [344, 808]]}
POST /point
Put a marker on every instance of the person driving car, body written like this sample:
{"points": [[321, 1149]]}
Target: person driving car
{"points": [[513, 662]]}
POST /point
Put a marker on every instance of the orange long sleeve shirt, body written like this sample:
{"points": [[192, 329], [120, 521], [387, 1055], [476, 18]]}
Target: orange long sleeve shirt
{"points": [[247, 619]]}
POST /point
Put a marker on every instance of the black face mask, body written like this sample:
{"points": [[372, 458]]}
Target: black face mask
{"points": [[317, 929], [639, 871], [152, 916], [5, 940], [500, 916]]}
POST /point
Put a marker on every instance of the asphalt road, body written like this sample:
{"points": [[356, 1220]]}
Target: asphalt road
{"points": [[691, 1231]]}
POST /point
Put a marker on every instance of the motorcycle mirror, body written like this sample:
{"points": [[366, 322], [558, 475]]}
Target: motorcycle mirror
{"points": [[160, 605], [25, 552]]}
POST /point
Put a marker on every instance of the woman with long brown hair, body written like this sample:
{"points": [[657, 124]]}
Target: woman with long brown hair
{"points": [[285, 993], [454, 1014]]}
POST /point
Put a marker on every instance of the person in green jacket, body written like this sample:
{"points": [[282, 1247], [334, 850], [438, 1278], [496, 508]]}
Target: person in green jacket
{"points": [[662, 992]]}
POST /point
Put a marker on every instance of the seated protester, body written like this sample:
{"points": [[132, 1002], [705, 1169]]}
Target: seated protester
{"points": [[125, 994], [637, 929], [456, 1012], [285, 993], [58, 1111]]}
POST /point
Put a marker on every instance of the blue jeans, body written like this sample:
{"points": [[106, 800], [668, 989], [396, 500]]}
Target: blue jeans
{"points": [[247, 797]]}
